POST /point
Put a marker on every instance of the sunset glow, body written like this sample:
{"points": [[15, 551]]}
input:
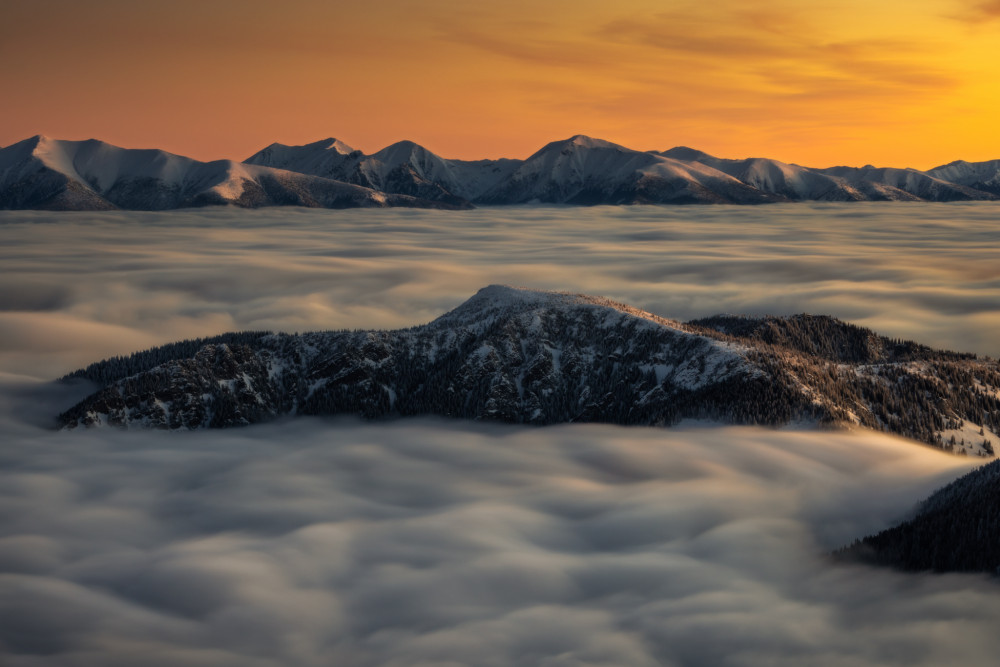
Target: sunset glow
{"points": [[853, 82]]}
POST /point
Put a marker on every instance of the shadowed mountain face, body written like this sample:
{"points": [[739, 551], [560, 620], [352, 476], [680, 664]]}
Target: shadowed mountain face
{"points": [[955, 530], [524, 356], [91, 175]]}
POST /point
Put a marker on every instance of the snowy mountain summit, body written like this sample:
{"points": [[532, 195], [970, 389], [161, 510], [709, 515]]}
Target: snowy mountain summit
{"points": [[528, 356], [45, 173]]}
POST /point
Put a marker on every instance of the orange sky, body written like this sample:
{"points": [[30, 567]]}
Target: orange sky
{"points": [[902, 83]]}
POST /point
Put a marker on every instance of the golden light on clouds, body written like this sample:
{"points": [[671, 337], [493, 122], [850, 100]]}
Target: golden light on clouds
{"points": [[891, 83]]}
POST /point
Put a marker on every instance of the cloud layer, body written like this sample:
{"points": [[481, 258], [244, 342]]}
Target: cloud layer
{"points": [[89, 285], [315, 542], [420, 542]]}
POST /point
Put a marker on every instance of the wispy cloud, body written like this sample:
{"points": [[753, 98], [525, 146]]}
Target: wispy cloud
{"points": [[977, 12], [763, 72]]}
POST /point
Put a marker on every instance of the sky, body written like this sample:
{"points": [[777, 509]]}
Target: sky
{"points": [[850, 82]]}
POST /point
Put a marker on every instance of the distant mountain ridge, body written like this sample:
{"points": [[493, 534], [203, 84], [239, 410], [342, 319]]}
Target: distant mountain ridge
{"points": [[527, 356], [44, 173]]}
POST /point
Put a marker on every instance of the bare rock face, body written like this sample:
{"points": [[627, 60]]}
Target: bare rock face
{"points": [[524, 356]]}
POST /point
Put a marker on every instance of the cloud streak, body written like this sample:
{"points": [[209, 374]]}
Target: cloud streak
{"points": [[976, 13]]}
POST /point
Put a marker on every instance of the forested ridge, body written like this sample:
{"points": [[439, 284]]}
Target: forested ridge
{"points": [[531, 357], [887, 384], [957, 529]]}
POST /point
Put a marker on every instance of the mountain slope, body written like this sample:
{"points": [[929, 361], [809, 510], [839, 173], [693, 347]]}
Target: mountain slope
{"points": [[525, 356], [983, 176], [327, 158], [868, 183], [890, 184], [583, 170], [402, 168], [92, 175], [788, 181], [954, 530]]}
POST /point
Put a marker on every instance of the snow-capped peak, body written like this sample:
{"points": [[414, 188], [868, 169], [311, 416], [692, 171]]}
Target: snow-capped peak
{"points": [[313, 154], [582, 141], [980, 175], [427, 164], [686, 154], [492, 300], [332, 144]]}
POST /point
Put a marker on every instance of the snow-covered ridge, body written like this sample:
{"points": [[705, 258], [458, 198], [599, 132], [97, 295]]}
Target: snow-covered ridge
{"points": [[983, 176], [403, 167], [582, 170], [530, 356], [47, 173], [495, 300]]}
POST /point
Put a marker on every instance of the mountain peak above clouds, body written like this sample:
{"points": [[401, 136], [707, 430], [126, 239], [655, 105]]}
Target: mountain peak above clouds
{"points": [[685, 153], [504, 300], [332, 144], [983, 176], [583, 141], [529, 356], [579, 142], [283, 152]]}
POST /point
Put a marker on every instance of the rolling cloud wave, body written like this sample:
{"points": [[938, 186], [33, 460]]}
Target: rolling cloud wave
{"points": [[422, 542], [317, 542], [87, 286]]}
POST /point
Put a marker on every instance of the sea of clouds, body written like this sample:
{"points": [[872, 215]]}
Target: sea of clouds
{"points": [[78, 285], [427, 542]]}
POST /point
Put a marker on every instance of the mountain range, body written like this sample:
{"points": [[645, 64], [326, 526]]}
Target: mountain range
{"points": [[44, 173], [526, 356]]}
